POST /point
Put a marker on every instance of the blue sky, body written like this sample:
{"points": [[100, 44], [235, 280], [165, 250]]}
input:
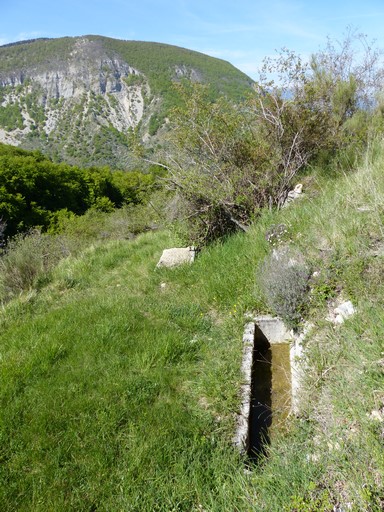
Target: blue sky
{"points": [[242, 31]]}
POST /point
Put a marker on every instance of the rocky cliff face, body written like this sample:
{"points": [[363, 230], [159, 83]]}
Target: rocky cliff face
{"points": [[87, 98], [80, 99]]}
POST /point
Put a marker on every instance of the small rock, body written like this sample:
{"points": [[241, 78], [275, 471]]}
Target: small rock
{"points": [[176, 256], [339, 319], [345, 309], [376, 416], [293, 194], [341, 313]]}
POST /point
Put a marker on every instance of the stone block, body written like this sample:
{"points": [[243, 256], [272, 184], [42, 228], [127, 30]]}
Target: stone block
{"points": [[176, 256]]}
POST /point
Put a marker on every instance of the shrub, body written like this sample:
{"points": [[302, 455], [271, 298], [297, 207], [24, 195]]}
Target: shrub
{"points": [[221, 165], [228, 161], [27, 259], [103, 204], [3, 226], [284, 278], [120, 224]]}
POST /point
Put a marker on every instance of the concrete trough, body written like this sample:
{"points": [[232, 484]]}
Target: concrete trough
{"points": [[270, 369]]}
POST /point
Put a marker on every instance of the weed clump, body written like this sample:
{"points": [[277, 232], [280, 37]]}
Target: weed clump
{"points": [[284, 281], [276, 234], [3, 226], [28, 258]]}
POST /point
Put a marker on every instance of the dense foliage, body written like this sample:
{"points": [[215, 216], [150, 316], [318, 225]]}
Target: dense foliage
{"points": [[34, 191], [230, 160]]}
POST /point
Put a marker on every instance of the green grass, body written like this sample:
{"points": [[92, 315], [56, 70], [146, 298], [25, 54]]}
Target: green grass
{"points": [[112, 387], [119, 381]]}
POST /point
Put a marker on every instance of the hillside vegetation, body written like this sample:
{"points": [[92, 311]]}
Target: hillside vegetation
{"points": [[120, 382], [35, 192], [158, 61], [81, 99]]}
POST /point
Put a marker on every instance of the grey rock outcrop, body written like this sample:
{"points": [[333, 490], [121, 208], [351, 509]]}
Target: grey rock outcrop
{"points": [[88, 92]]}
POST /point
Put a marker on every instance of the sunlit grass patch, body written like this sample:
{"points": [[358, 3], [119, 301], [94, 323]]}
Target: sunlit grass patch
{"points": [[120, 381]]}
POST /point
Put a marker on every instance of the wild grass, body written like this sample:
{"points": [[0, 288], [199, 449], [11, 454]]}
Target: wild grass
{"points": [[28, 258], [119, 381], [115, 390]]}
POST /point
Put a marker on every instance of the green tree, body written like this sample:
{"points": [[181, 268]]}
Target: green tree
{"points": [[219, 164], [227, 161], [134, 186]]}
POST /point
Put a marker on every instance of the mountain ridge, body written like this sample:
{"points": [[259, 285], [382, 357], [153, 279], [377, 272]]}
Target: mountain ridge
{"points": [[77, 98]]}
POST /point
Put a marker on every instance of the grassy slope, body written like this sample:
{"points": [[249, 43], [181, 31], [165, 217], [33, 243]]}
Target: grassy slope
{"points": [[113, 388], [119, 393]]}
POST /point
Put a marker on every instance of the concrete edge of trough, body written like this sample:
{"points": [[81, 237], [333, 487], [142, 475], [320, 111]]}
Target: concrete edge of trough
{"points": [[275, 331], [241, 438]]}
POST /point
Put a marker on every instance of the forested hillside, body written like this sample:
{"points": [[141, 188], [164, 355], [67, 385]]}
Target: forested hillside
{"points": [[85, 99], [35, 192]]}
